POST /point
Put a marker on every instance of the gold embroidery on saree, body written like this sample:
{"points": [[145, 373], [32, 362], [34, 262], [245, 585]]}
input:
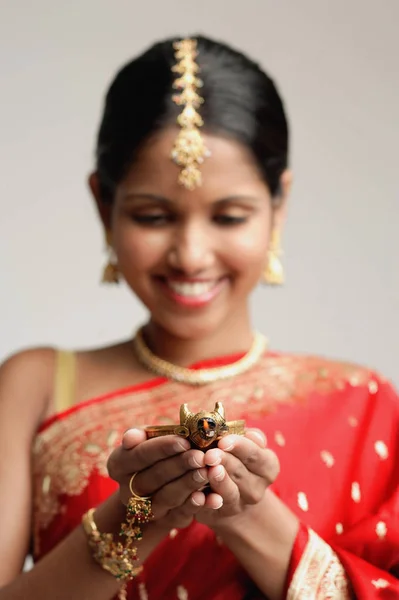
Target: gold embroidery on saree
{"points": [[71, 449], [319, 575]]}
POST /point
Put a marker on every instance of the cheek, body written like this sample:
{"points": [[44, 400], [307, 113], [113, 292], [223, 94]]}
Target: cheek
{"points": [[139, 250], [247, 249]]}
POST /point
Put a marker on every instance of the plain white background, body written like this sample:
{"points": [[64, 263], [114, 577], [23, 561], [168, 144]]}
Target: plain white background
{"points": [[336, 63]]}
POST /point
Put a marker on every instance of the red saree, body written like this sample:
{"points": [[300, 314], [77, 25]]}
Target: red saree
{"points": [[335, 429]]}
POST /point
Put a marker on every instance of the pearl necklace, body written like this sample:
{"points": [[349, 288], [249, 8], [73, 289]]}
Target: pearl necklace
{"points": [[163, 368]]}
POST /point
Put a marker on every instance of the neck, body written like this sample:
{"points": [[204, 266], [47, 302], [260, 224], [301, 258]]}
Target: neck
{"points": [[234, 336]]}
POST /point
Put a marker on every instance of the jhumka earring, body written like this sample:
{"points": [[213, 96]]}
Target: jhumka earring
{"points": [[274, 270], [111, 271]]}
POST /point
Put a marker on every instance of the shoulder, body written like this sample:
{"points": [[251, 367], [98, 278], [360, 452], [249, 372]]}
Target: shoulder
{"points": [[36, 362], [26, 380], [308, 373]]}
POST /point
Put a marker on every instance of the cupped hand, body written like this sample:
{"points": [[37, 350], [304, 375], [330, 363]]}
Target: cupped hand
{"points": [[168, 471], [240, 470]]}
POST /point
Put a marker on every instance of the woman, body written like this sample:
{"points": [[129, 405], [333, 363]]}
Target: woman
{"points": [[191, 184]]}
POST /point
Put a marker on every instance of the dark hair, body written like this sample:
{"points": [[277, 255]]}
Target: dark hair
{"points": [[240, 101]]}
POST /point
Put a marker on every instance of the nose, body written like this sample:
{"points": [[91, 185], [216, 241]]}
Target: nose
{"points": [[191, 251]]}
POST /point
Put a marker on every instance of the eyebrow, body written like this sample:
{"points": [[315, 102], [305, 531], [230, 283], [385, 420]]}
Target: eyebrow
{"points": [[162, 200], [144, 196]]}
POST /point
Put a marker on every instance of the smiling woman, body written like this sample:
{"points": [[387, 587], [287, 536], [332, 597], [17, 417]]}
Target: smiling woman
{"points": [[200, 249], [191, 183]]}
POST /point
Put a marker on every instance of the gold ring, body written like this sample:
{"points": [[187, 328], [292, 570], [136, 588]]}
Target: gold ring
{"points": [[133, 493], [202, 429]]}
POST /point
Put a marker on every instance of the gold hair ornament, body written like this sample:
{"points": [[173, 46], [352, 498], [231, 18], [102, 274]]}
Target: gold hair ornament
{"points": [[189, 150]]}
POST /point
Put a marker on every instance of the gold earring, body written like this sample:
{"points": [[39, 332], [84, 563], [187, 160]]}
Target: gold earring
{"points": [[111, 271], [274, 270]]}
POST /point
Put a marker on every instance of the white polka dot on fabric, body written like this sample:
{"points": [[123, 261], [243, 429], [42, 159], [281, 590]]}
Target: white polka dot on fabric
{"points": [[381, 450], [303, 501], [380, 584], [373, 387], [355, 492], [279, 439], [339, 528], [327, 458], [381, 530]]}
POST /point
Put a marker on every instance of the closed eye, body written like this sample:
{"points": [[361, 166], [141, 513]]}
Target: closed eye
{"points": [[153, 219], [229, 220]]}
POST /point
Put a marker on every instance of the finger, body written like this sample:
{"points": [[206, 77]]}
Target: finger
{"points": [[214, 457], [250, 483], [123, 461], [132, 438], [260, 461], [175, 494], [257, 436], [156, 449], [150, 480], [213, 502], [183, 515], [222, 487], [250, 487], [198, 499]]}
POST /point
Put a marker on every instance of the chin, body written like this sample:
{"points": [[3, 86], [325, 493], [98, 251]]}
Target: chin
{"points": [[193, 327]]}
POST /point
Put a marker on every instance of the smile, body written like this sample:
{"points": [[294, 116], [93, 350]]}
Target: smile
{"points": [[191, 290], [192, 293]]}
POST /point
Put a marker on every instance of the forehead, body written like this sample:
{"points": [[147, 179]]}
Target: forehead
{"points": [[230, 169]]}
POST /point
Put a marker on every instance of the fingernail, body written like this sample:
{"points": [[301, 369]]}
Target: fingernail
{"points": [[219, 473], [230, 441], [261, 436], [132, 431], [229, 448], [197, 476], [181, 446], [216, 461], [130, 436], [194, 502], [193, 462], [220, 505]]}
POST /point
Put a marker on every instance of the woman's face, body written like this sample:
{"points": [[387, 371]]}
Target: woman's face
{"points": [[192, 257]]}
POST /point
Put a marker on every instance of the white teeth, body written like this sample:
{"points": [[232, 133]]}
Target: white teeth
{"points": [[191, 289]]}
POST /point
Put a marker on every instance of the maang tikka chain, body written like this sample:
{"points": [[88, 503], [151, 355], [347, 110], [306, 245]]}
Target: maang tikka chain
{"points": [[189, 150]]}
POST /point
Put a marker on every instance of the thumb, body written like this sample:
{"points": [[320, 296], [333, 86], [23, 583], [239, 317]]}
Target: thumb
{"points": [[132, 438]]}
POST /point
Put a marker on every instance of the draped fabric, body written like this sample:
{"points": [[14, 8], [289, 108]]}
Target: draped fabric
{"points": [[334, 427]]}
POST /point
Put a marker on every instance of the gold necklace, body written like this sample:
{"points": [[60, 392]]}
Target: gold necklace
{"points": [[163, 368]]}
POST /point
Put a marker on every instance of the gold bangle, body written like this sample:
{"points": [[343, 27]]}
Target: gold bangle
{"points": [[114, 557], [202, 429]]}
